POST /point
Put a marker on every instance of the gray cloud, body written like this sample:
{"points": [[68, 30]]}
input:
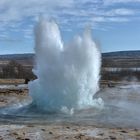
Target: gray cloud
{"points": [[111, 2], [66, 12]]}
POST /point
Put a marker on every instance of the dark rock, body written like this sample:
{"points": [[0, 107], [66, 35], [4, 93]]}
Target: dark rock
{"points": [[26, 139], [112, 138], [50, 132], [123, 131], [101, 134]]}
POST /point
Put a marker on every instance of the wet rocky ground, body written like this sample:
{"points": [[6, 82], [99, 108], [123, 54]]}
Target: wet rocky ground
{"points": [[9, 131], [65, 132]]}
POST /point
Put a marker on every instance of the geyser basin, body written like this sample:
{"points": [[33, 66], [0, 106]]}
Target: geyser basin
{"points": [[68, 75], [121, 109]]}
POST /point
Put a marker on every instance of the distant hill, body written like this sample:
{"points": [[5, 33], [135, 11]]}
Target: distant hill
{"points": [[115, 65], [122, 54], [23, 59], [111, 59], [16, 56], [121, 59], [119, 54]]}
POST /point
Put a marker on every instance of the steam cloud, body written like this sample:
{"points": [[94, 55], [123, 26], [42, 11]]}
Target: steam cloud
{"points": [[68, 75]]}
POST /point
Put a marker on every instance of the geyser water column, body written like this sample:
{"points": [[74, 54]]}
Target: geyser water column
{"points": [[67, 75]]}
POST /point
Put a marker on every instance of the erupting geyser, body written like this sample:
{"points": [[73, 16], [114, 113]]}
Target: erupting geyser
{"points": [[67, 75]]}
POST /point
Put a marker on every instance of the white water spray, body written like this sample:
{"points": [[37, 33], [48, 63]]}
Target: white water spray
{"points": [[68, 76]]}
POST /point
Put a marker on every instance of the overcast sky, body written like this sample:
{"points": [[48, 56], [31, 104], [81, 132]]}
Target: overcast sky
{"points": [[115, 23]]}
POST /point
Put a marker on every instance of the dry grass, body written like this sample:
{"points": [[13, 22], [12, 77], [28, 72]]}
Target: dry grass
{"points": [[12, 81]]}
